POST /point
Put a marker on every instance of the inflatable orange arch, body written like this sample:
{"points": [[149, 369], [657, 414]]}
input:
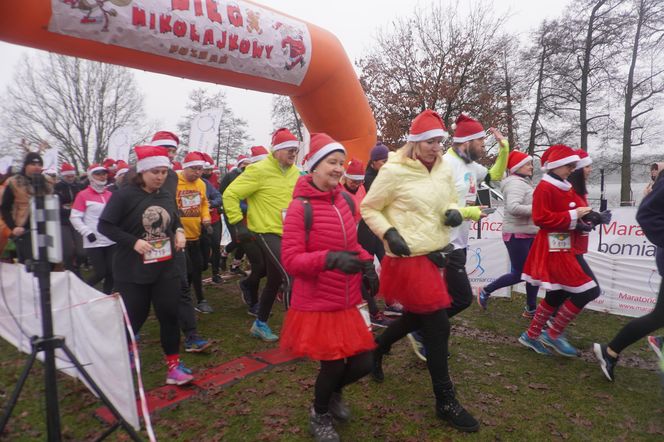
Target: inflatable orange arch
{"points": [[236, 43]]}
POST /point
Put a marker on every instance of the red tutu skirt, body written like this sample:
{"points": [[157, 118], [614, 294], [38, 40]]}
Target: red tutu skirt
{"points": [[326, 336], [416, 283]]}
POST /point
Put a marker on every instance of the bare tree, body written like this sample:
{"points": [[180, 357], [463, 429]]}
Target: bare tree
{"points": [[285, 115], [71, 103], [644, 83]]}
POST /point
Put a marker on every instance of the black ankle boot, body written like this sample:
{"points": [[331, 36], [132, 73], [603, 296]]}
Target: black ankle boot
{"points": [[377, 371], [451, 411]]}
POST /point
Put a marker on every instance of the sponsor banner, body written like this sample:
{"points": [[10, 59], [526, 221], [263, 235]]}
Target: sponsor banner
{"points": [[486, 261], [622, 236], [233, 35], [490, 227], [203, 134]]}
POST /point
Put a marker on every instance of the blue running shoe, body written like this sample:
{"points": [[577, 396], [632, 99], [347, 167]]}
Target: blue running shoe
{"points": [[262, 331], [196, 344], [533, 344], [483, 298], [560, 345], [184, 369]]}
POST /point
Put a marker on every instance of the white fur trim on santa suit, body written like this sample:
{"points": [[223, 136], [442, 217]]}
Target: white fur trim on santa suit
{"points": [[286, 145], [583, 162], [562, 185], [550, 165], [194, 164], [166, 143], [554, 286], [433, 133], [474, 136], [152, 162], [68, 173], [354, 177], [322, 152], [520, 164], [573, 218]]}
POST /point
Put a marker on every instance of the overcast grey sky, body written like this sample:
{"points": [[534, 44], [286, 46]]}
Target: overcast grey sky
{"points": [[354, 22]]}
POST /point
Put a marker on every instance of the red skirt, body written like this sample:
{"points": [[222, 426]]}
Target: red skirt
{"points": [[416, 283], [326, 336]]}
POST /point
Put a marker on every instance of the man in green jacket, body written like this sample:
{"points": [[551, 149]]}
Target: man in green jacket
{"points": [[268, 188]]}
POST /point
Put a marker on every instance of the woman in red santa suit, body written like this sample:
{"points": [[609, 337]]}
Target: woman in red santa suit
{"points": [[553, 263], [328, 266]]}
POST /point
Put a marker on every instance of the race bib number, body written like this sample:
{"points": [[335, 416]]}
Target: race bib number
{"points": [[161, 251], [190, 200], [559, 242]]}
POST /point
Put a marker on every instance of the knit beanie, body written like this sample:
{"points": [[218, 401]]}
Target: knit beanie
{"points": [[379, 152]]}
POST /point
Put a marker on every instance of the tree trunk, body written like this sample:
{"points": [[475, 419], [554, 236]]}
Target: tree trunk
{"points": [[625, 167], [538, 102], [509, 110]]}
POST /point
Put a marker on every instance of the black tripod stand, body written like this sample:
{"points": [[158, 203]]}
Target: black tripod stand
{"points": [[48, 343]]}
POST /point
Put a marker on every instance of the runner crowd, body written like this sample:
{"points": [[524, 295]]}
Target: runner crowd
{"points": [[313, 232]]}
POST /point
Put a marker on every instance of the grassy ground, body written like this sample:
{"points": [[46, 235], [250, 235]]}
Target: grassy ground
{"points": [[516, 394]]}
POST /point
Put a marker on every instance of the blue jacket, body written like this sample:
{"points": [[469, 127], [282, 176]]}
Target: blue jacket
{"points": [[212, 194], [651, 218]]}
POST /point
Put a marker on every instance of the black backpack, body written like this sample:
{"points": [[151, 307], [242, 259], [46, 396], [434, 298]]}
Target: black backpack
{"points": [[309, 212]]}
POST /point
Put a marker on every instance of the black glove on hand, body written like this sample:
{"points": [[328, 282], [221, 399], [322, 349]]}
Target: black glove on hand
{"points": [[453, 218], [605, 216], [370, 277], [396, 242], [91, 237], [208, 229], [242, 233], [582, 226], [347, 262], [593, 218]]}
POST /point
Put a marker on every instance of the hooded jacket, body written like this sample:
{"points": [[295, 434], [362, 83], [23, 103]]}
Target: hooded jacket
{"points": [[406, 196], [333, 229]]}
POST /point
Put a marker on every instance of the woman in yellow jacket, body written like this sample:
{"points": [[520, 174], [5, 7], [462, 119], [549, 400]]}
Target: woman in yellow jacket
{"points": [[412, 205]]}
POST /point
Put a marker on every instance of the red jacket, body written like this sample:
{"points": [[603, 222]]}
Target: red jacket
{"points": [[333, 229]]}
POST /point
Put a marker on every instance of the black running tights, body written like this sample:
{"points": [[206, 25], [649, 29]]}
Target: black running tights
{"points": [[334, 375], [640, 327]]}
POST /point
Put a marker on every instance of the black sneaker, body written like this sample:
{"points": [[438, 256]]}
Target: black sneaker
{"points": [[321, 427], [338, 408], [217, 279], [244, 292], [377, 370], [606, 361], [451, 411]]}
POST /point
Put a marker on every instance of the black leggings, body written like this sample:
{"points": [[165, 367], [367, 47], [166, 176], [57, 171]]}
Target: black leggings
{"points": [[101, 259], [334, 375], [640, 327], [270, 245], [255, 256], [457, 281], [211, 248], [195, 267], [435, 330], [164, 294]]}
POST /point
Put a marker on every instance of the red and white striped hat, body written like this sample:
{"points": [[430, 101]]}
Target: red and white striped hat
{"points": [[427, 125], [467, 129], [67, 169], [516, 160], [283, 139], [320, 146], [585, 159], [166, 139], [193, 159], [355, 170], [149, 157], [96, 167]]}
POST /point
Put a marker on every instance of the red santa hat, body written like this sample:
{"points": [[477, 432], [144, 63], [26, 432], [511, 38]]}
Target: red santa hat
{"points": [[194, 159], [209, 162], [584, 160], [516, 160], [467, 129], [426, 125], [558, 155], [108, 163], [177, 165], [258, 153], [166, 139], [320, 146], [149, 157], [355, 170], [242, 159], [96, 167], [284, 139], [122, 168], [67, 169]]}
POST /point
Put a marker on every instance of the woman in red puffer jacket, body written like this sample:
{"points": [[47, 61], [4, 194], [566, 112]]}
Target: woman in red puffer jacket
{"points": [[328, 266]]}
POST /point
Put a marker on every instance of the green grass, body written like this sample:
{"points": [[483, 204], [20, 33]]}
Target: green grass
{"points": [[515, 393]]}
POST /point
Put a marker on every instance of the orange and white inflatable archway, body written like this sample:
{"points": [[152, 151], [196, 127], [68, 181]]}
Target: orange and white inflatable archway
{"points": [[232, 42]]}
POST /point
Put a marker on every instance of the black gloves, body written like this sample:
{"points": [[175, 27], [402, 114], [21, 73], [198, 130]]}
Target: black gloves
{"points": [[605, 216], [396, 242], [594, 219], [242, 233], [370, 278], [91, 237], [208, 229], [439, 257], [453, 218], [582, 226], [347, 262]]}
